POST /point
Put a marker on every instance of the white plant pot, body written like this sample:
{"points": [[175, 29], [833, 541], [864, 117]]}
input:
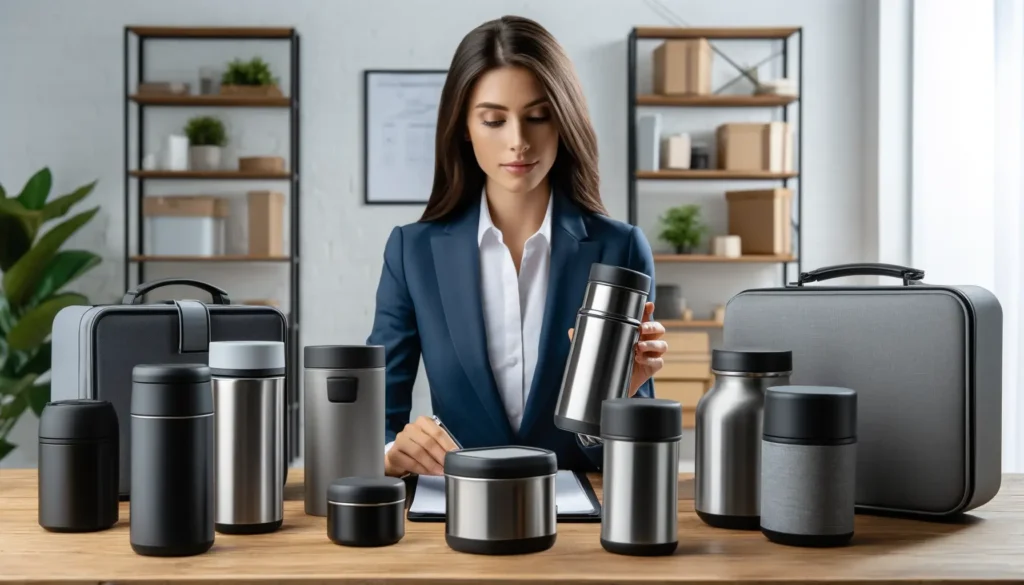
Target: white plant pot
{"points": [[205, 158]]}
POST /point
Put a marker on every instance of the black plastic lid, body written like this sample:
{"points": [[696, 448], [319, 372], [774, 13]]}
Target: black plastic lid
{"points": [[810, 414], [752, 361], [641, 419], [618, 276], [82, 420], [343, 357], [366, 490], [505, 462], [171, 390]]}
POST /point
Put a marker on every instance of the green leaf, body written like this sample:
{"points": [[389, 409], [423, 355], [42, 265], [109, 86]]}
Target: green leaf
{"points": [[35, 325], [39, 363], [15, 240], [59, 206], [11, 412], [66, 266], [36, 190], [5, 448], [3, 193], [38, 396], [21, 279]]}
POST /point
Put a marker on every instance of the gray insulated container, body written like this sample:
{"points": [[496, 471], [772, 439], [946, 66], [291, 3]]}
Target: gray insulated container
{"points": [[926, 364]]}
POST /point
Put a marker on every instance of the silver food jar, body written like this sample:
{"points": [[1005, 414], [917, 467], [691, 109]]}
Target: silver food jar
{"points": [[601, 354], [343, 395], [641, 475], [500, 500]]}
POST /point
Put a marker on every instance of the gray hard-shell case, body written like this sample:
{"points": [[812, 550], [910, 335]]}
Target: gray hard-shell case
{"points": [[926, 362], [95, 348]]}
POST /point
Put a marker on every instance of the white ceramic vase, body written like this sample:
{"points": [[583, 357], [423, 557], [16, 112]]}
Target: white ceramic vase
{"points": [[205, 158]]}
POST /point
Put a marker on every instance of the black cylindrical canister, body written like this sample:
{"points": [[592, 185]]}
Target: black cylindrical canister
{"points": [[78, 466], [172, 498], [808, 465], [366, 511]]}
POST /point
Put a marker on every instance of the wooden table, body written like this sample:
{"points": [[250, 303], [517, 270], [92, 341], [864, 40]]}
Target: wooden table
{"points": [[987, 545]]}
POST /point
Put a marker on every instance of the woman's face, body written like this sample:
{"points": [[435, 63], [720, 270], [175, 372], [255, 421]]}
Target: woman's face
{"points": [[512, 128]]}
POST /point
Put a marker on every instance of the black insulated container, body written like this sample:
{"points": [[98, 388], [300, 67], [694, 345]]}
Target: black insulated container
{"points": [[172, 474], [366, 511], [78, 466]]}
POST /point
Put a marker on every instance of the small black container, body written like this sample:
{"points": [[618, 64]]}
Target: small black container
{"points": [[366, 511], [808, 465], [172, 474], [78, 466]]}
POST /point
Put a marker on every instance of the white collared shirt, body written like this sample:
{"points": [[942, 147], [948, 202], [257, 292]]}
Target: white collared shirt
{"points": [[513, 307]]}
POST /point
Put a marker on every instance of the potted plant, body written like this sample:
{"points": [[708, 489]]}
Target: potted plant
{"points": [[35, 271], [682, 227], [206, 138], [252, 78]]}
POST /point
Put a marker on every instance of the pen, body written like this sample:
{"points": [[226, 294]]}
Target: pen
{"points": [[441, 424]]}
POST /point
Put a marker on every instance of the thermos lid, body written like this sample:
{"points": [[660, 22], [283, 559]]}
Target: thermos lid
{"points": [[247, 358], [366, 490], [82, 419], [641, 419], [810, 414], [752, 361], [343, 357], [506, 462], [619, 276], [167, 390]]}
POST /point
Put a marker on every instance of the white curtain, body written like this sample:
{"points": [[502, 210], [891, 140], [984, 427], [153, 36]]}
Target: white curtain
{"points": [[967, 190]]}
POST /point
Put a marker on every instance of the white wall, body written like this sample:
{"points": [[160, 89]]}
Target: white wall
{"points": [[62, 107]]}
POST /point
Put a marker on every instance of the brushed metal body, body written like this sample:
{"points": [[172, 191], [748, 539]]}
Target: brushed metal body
{"points": [[641, 492], [500, 509]]}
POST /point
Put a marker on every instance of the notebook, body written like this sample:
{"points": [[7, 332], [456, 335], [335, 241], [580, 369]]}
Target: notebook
{"points": [[575, 499]]}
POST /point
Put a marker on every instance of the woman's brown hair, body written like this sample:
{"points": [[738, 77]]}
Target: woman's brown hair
{"points": [[512, 40]]}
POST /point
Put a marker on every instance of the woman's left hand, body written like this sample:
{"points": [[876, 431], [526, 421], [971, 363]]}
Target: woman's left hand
{"points": [[648, 352]]}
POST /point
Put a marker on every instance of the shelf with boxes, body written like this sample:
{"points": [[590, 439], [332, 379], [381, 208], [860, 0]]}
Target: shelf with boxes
{"points": [[686, 375], [199, 225], [763, 223]]}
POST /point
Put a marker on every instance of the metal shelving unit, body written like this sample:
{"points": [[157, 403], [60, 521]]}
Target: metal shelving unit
{"points": [[139, 259]]}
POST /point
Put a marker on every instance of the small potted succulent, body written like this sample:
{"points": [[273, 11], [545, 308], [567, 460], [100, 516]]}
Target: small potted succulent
{"points": [[249, 78], [206, 138], [682, 227]]}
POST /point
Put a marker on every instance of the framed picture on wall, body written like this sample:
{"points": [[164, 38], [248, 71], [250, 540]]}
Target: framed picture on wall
{"points": [[399, 121]]}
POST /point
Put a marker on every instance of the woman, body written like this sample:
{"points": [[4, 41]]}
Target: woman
{"points": [[485, 287]]}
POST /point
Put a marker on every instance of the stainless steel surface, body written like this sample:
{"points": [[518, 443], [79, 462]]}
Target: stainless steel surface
{"points": [[727, 455], [500, 509], [604, 299], [249, 449], [341, 439], [641, 492]]}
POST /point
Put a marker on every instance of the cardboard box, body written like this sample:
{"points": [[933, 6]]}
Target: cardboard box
{"points": [[685, 392], [682, 67], [755, 147], [685, 368], [185, 225], [688, 342], [266, 223], [675, 152], [762, 220]]}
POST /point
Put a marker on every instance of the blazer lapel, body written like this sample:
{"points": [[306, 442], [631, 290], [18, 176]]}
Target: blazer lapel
{"points": [[457, 264], [571, 256]]}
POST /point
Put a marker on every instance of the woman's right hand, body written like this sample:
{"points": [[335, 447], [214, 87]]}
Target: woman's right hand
{"points": [[419, 448]]}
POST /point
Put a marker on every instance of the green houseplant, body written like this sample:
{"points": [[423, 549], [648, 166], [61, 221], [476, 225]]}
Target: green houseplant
{"points": [[252, 77], [682, 227], [206, 139], [35, 271]]}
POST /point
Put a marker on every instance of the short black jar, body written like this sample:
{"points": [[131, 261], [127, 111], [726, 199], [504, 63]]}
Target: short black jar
{"points": [[366, 511], [78, 466]]}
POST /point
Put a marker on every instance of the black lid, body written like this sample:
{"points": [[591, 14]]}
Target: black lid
{"points": [[343, 357], [171, 390], [641, 419], [752, 360], [810, 413], [505, 462], [366, 490], [83, 419], [618, 276]]}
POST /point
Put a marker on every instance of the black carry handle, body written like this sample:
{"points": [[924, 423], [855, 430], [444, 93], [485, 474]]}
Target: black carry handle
{"points": [[220, 297], [909, 275]]}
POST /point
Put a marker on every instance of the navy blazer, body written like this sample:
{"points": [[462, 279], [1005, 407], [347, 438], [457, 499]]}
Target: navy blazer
{"points": [[429, 305]]}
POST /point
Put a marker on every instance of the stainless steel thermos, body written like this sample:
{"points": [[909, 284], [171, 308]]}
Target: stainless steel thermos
{"points": [[809, 465], [344, 417], [172, 474], [727, 472], [248, 397], [600, 362], [641, 475]]}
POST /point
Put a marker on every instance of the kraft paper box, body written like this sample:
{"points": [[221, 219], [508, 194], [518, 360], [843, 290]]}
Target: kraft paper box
{"points": [[755, 147], [682, 67]]}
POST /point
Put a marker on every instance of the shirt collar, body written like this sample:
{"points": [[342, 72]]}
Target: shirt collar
{"points": [[487, 224]]}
